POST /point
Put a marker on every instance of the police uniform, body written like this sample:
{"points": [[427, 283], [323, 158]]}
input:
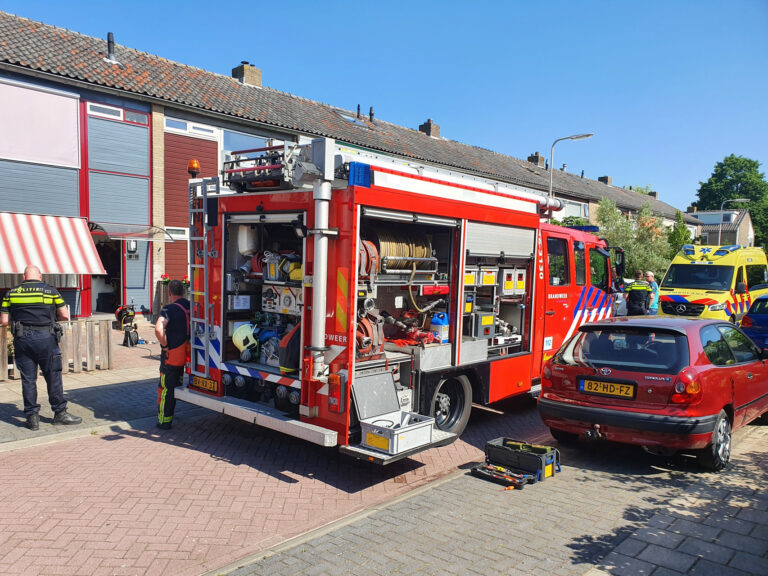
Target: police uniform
{"points": [[32, 307], [637, 298], [172, 358]]}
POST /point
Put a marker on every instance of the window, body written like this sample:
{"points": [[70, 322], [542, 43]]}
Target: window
{"points": [[178, 233], [598, 270], [105, 111], [581, 264], [756, 274], [175, 124], [576, 209], [742, 347], [239, 141], [557, 254], [715, 347], [136, 117], [633, 349]]}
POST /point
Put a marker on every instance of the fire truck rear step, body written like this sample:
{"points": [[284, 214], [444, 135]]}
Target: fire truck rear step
{"points": [[439, 438], [261, 415]]}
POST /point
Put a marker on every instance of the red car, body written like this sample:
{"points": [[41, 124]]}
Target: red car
{"points": [[664, 383]]}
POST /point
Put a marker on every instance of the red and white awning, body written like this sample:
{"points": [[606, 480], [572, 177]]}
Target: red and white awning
{"points": [[55, 244]]}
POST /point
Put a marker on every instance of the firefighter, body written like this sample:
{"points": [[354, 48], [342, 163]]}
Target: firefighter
{"points": [[34, 307], [172, 331], [638, 295]]}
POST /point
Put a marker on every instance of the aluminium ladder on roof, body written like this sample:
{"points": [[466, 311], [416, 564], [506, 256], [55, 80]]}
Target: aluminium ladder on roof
{"points": [[200, 251]]}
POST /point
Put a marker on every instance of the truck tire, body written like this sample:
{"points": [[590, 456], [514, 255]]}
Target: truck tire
{"points": [[450, 402], [716, 455]]}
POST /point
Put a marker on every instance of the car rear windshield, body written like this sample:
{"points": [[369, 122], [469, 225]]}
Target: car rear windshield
{"points": [[759, 306], [698, 277], [632, 349]]}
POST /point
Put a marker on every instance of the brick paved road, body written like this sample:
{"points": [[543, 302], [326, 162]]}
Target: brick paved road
{"points": [[115, 496], [618, 510]]}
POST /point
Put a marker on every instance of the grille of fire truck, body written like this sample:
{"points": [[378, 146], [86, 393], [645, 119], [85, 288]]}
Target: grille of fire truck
{"points": [[259, 168], [200, 250]]}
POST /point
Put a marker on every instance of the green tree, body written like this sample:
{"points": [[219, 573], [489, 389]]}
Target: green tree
{"points": [[642, 237], [642, 189], [677, 235], [738, 177]]}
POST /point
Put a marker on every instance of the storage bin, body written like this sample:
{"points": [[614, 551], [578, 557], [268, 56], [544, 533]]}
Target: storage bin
{"points": [[543, 461]]}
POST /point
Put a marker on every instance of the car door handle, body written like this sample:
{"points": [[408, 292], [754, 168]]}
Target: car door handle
{"points": [[750, 376], [550, 312]]}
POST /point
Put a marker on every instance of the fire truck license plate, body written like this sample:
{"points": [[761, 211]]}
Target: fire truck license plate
{"points": [[205, 383], [607, 389]]}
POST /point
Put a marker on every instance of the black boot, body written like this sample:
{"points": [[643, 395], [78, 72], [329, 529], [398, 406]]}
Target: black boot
{"points": [[66, 418], [33, 422]]}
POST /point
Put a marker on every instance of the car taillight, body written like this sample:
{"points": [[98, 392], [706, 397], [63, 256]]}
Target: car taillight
{"points": [[687, 388], [746, 322], [546, 374]]}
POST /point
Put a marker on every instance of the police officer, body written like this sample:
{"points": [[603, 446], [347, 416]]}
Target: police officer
{"points": [[638, 296], [34, 307], [172, 331]]}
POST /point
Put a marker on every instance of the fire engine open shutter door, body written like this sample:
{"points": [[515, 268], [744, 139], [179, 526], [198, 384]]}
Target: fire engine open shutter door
{"points": [[56, 244], [491, 240]]}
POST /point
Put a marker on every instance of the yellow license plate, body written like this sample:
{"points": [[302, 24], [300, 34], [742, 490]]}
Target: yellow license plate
{"points": [[607, 389], [376, 441], [205, 384]]}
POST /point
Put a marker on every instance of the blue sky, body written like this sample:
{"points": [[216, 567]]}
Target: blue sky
{"points": [[668, 87]]}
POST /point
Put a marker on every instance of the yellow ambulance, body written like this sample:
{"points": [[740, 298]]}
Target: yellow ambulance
{"points": [[713, 282]]}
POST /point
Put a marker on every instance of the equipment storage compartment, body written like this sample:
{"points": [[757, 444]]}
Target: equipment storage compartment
{"points": [[383, 425], [543, 461]]}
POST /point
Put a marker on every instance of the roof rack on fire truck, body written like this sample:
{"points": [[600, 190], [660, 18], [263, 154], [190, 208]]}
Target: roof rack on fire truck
{"points": [[289, 165]]}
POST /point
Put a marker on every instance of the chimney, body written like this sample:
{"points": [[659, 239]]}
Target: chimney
{"points": [[370, 114], [430, 128], [653, 194], [247, 74], [606, 180], [582, 173], [564, 167], [537, 159], [358, 111]]}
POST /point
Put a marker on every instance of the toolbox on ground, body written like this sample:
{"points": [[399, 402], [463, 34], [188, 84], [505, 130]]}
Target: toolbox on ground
{"points": [[541, 461]]}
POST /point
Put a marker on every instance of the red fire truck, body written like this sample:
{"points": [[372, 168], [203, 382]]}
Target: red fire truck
{"points": [[355, 300]]}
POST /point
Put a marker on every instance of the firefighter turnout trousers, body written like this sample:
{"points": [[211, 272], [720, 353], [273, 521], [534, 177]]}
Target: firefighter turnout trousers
{"points": [[171, 377], [39, 348]]}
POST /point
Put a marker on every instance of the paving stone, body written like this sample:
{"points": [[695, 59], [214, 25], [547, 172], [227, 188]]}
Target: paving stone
{"points": [[750, 563], [706, 568], [705, 549], [667, 558], [659, 537], [743, 543]]}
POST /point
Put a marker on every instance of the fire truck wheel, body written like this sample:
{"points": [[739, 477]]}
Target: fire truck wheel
{"points": [[451, 403]]}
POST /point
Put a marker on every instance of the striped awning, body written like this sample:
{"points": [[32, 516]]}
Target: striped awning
{"points": [[55, 244]]}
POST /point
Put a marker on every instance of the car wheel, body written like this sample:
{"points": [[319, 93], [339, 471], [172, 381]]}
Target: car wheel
{"points": [[563, 437], [716, 455], [451, 403]]}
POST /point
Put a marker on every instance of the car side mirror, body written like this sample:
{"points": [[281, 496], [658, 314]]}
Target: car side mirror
{"points": [[764, 353], [741, 288]]}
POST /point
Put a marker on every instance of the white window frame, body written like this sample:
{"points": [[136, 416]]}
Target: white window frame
{"points": [[177, 233], [195, 129], [91, 112]]}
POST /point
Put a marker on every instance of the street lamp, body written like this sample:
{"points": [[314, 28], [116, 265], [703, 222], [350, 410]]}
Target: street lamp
{"points": [[552, 161], [720, 228]]}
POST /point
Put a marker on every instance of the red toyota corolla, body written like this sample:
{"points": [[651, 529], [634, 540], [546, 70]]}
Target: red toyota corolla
{"points": [[665, 383]]}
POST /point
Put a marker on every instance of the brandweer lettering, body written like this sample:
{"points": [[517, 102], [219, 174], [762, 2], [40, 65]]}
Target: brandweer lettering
{"points": [[336, 338]]}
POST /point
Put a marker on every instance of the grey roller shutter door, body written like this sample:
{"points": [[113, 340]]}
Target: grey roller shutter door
{"points": [[494, 240]]}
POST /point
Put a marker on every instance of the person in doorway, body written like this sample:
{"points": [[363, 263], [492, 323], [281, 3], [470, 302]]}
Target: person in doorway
{"points": [[172, 331], [33, 308], [653, 307], [638, 295]]}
